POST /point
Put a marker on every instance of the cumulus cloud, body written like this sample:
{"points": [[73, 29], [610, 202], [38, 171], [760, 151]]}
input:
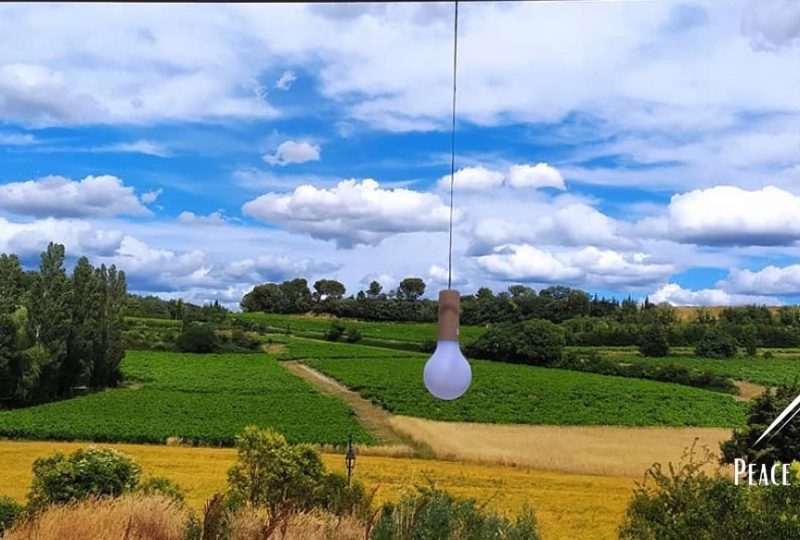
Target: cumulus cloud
{"points": [[770, 280], [586, 266], [674, 294], [275, 268], [289, 152], [353, 212], [29, 239], [480, 178], [477, 178], [772, 25], [729, 215], [535, 176], [574, 224], [56, 196], [214, 218], [285, 81]]}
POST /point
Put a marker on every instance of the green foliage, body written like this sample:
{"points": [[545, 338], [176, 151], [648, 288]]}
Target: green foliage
{"points": [[717, 343], [198, 338], [431, 513], [272, 474], [783, 447], [160, 485], [411, 288], [654, 341], [199, 398], [94, 472], [60, 332], [353, 334], [10, 510], [684, 501], [594, 363], [535, 342], [518, 394], [289, 297], [336, 331]]}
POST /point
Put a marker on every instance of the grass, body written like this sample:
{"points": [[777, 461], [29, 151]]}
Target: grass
{"points": [[602, 450], [567, 506], [781, 369], [506, 393], [392, 331], [202, 398]]}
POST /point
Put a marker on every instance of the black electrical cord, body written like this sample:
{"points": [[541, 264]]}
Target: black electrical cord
{"points": [[453, 148]]}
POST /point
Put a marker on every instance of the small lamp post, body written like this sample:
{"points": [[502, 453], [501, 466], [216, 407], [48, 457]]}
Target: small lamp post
{"points": [[350, 459]]}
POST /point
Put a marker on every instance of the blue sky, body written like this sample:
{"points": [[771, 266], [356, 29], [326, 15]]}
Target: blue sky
{"points": [[643, 148]]}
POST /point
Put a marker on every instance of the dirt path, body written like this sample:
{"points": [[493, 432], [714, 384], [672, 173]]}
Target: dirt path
{"points": [[375, 419], [748, 390]]}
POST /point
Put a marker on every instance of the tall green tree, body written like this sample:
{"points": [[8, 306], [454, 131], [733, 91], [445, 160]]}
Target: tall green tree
{"points": [[328, 289], [12, 280], [411, 288]]}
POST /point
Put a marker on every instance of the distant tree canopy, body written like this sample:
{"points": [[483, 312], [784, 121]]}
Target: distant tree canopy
{"points": [[58, 332]]}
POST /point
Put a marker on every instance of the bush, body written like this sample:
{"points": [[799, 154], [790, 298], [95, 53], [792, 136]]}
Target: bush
{"points": [[336, 331], [10, 510], [159, 485], [198, 338], [433, 513], [534, 342], [768, 355], [353, 334], [653, 341], [686, 502], [94, 472], [716, 343], [783, 447]]}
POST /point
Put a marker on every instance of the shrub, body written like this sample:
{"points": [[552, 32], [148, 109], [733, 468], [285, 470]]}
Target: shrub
{"points": [[686, 502], [93, 472], [353, 334], [336, 331], [716, 343], [783, 447], [653, 341], [534, 341], [433, 513], [273, 474], [245, 340], [198, 338], [159, 485], [10, 510], [768, 355]]}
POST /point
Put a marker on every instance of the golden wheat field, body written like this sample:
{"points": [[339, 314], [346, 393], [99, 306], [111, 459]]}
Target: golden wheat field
{"points": [[568, 506]]}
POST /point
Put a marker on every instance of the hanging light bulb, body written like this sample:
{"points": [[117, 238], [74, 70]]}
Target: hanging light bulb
{"points": [[447, 373]]}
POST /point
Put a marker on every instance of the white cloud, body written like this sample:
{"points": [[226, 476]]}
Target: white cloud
{"points": [[289, 152], [770, 280], [728, 215], [587, 266], [535, 176], [214, 218], [17, 139], [353, 212], [286, 80], [151, 196], [141, 146], [275, 268], [573, 224], [56, 196], [31, 238], [676, 295], [772, 25], [477, 178]]}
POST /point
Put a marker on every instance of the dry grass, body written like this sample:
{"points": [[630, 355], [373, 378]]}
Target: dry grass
{"points": [[249, 525], [602, 450], [132, 517], [567, 506]]}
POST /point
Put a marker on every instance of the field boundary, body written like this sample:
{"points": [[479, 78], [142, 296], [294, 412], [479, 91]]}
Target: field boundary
{"points": [[375, 419]]}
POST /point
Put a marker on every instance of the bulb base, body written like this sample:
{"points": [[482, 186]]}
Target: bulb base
{"points": [[449, 315]]}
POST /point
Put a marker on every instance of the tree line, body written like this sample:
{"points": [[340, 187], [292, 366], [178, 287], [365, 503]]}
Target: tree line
{"points": [[586, 319], [59, 333]]}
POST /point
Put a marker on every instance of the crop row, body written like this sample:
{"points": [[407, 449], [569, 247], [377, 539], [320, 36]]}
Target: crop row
{"points": [[504, 393], [200, 398]]}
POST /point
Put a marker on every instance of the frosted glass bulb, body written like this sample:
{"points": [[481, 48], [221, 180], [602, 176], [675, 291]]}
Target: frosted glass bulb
{"points": [[447, 374]]}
